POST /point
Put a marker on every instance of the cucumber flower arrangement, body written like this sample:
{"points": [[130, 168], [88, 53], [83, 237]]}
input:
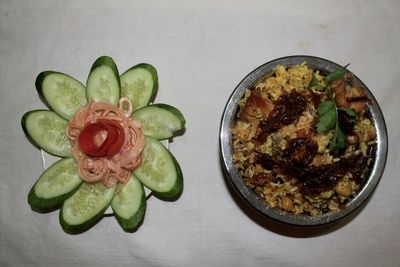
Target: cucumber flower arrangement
{"points": [[108, 138]]}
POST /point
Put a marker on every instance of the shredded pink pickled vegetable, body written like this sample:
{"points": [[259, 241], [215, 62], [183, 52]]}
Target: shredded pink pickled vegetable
{"points": [[117, 169]]}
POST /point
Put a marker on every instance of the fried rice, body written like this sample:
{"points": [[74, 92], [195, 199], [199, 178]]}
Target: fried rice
{"points": [[280, 154]]}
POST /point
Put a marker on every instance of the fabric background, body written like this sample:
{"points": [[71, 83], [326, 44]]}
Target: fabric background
{"points": [[202, 50]]}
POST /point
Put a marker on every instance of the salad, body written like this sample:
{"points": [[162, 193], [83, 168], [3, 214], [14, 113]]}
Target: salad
{"points": [[107, 136]]}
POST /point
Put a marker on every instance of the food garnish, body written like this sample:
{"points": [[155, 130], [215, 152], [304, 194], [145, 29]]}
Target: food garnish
{"points": [[107, 138]]}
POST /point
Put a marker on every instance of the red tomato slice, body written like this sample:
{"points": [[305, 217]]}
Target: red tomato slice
{"points": [[118, 142], [87, 137], [90, 135], [112, 135]]}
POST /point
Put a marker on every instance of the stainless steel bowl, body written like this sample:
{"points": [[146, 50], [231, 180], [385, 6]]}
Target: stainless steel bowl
{"points": [[253, 199]]}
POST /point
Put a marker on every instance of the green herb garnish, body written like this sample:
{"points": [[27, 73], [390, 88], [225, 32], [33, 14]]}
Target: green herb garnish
{"points": [[350, 112], [328, 120], [337, 75], [328, 113], [333, 76], [314, 81], [338, 140]]}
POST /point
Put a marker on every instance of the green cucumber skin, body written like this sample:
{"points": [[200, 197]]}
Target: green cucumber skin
{"points": [[23, 125], [78, 229], [174, 111], [154, 75], [44, 205], [86, 225], [177, 190], [134, 222], [39, 82], [106, 61], [33, 142]]}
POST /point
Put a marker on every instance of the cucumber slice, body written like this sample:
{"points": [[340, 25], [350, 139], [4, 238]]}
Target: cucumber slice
{"points": [[139, 84], [85, 207], [160, 121], [160, 171], [62, 93], [54, 186], [103, 83], [129, 204], [46, 130]]}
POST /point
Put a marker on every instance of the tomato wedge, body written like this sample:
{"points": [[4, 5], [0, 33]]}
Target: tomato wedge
{"points": [[110, 145]]}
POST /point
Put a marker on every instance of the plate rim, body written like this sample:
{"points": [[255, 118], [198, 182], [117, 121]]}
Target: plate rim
{"points": [[255, 201]]}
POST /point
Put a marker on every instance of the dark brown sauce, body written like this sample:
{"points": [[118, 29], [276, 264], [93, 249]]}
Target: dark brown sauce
{"points": [[317, 179], [298, 155], [295, 164], [286, 110], [300, 152]]}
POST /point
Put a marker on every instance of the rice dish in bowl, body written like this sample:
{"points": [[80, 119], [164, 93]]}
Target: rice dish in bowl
{"points": [[302, 140]]}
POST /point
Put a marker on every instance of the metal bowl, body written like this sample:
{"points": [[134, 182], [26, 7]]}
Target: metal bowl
{"points": [[253, 199]]}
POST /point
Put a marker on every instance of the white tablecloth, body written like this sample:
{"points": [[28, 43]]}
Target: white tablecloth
{"points": [[202, 50]]}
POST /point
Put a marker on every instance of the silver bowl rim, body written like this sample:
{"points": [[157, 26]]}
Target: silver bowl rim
{"points": [[253, 199]]}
